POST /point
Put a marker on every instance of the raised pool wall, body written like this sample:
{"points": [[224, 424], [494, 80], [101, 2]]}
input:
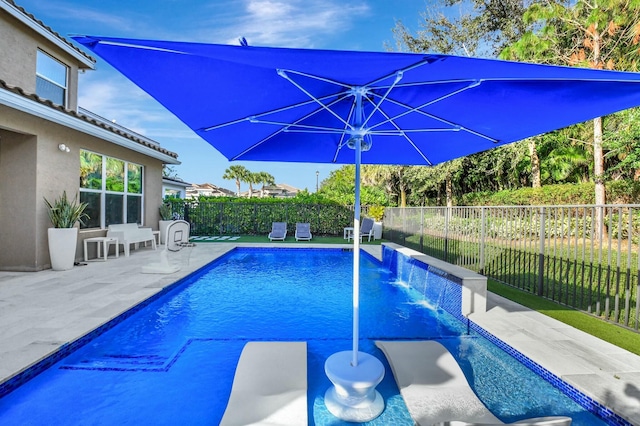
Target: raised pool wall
{"points": [[457, 290]]}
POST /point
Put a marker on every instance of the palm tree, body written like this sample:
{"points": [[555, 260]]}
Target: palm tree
{"points": [[265, 179], [239, 173]]}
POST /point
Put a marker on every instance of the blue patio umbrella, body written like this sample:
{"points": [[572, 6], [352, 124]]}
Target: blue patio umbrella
{"points": [[347, 107]]}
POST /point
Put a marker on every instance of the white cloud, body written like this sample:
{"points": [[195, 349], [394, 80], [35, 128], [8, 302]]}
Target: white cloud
{"points": [[76, 12], [290, 23], [115, 98]]}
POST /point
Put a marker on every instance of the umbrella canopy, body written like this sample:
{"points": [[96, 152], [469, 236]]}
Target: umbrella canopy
{"points": [[296, 105]]}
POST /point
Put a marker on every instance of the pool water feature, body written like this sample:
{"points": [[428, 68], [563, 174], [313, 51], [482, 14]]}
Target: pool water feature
{"points": [[173, 361]]}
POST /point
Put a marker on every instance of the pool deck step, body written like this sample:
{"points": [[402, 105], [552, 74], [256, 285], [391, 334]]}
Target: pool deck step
{"points": [[271, 378]]}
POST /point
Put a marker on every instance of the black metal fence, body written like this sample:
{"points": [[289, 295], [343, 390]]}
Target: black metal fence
{"points": [[564, 253], [210, 218]]}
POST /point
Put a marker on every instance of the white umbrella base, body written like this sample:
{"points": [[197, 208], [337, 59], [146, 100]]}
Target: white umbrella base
{"points": [[353, 397]]}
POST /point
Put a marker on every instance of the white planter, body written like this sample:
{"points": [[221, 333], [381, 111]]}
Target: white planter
{"points": [[163, 225], [377, 230], [62, 248]]}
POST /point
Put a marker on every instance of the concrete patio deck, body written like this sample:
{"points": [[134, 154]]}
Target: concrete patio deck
{"points": [[41, 311]]}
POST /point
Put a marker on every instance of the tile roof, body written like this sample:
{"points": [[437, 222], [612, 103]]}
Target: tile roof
{"points": [[49, 29], [105, 125]]}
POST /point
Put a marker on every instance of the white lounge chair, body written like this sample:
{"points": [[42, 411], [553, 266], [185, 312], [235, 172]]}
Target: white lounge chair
{"points": [[432, 384], [278, 231], [436, 391], [270, 385], [303, 232]]}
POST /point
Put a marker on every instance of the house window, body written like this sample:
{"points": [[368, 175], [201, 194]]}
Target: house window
{"points": [[112, 188], [51, 79]]}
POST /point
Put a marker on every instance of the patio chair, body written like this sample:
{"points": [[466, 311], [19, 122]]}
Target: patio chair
{"points": [[366, 229], [303, 232], [278, 231]]}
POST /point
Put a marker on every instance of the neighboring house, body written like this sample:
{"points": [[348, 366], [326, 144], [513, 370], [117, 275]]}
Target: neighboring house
{"points": [[279, 190], [174, 187], [208, 190], [48, 146]]}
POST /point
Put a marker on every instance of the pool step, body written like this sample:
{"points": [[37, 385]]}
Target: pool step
{"points": [[122, 362]]}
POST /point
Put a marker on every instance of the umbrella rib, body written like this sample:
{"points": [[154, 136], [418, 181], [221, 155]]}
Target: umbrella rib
{"points": [[284, 127], [418, 110], [404, 135], [283, 73], [454, 126], [403, 70], [341, 143], [315, 77], [274, 111], [431, 102], [399, 76]]}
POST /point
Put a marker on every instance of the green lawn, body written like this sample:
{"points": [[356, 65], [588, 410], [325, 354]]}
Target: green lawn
{"points": [[289, 239], [599, 328]]}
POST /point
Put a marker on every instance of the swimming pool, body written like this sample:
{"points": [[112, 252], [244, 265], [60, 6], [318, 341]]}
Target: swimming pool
{"points": [[173, 361]]}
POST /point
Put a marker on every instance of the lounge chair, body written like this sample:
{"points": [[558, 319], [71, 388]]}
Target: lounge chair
{"points": [[303, 231], [436, 391], [269, 386], [278, 231], [366, 229]]}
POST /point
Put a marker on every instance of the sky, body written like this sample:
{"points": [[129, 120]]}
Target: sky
{"points": [[323, 24]]}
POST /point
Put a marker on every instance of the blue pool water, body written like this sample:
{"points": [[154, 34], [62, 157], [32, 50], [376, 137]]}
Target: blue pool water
{"points": [[173, 361]]}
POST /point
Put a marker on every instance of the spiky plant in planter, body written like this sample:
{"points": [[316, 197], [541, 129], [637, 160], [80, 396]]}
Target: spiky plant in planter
{"points": [[166, 211], [65, 213], [63, 237]]}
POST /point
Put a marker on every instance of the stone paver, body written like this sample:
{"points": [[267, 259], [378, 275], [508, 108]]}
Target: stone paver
{"points": [[40, 311]]}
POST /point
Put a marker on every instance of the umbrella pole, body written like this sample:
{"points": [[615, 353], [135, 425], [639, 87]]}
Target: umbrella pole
{"points": [[353, 396], [356, 259]]}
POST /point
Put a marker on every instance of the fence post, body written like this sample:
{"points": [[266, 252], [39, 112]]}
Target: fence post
{"points": [[541, 254], [483, 231], [421, 229], [446, 233], [404, 226]]}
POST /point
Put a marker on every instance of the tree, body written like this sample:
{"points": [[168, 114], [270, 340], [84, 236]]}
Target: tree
{"points": [[479, 28], [169, 171], [251, 179], [622, 136], [238, 173], [265, 179], [598, 34], [340, 188]]}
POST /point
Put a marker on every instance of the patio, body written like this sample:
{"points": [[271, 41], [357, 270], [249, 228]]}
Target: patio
{"points": [[39, 312]]}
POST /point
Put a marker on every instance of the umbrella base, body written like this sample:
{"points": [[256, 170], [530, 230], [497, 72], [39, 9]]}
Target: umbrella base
{"points": [[353, 396]]}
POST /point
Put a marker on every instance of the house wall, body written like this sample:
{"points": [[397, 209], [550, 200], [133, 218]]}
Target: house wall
{"points": [[18, 218], [32, 167], [18, 48]]}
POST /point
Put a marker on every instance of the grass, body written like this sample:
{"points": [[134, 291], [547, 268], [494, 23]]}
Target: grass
{"points": [[601, 329], [291, 239]]}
